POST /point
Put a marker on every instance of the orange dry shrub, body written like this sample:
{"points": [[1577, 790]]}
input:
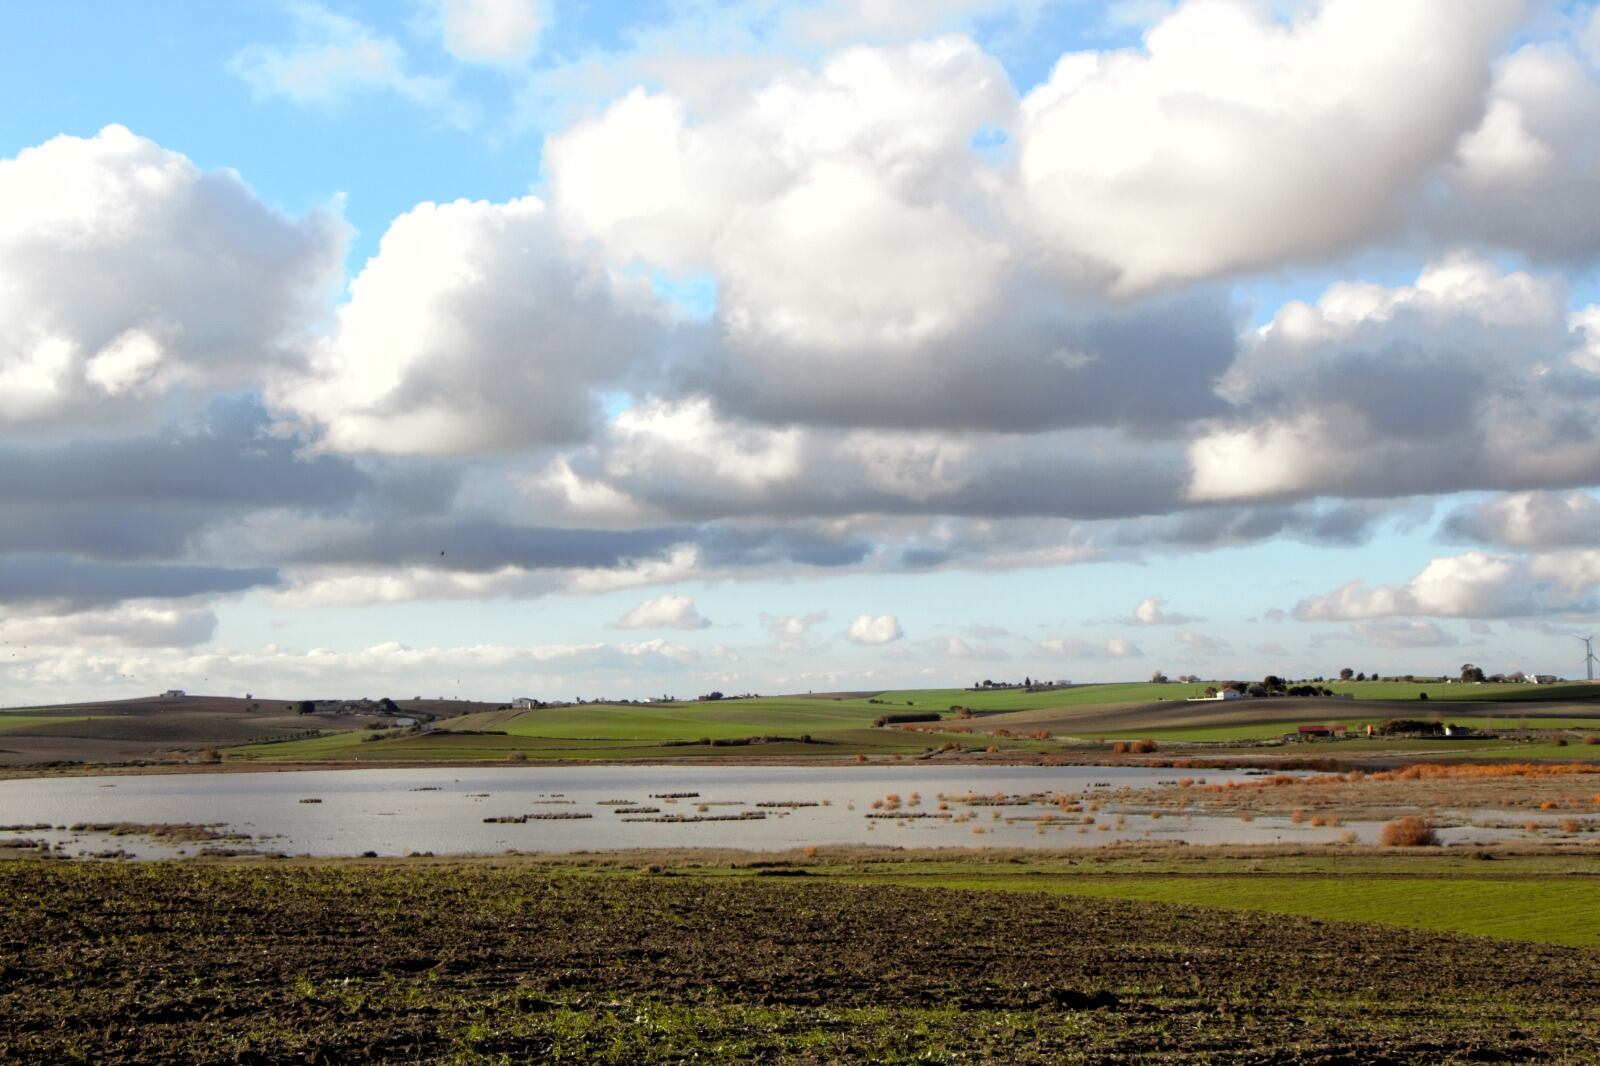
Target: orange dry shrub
{"points": [[1520, 769], [1246, 816], [1119, 748], [993, 749], [1143, 746], [810, 851], [1297, 816], [1571, 825], [1318, 820], [1548, 805], [1408, 832], [1591, 739], [1185, 782]]}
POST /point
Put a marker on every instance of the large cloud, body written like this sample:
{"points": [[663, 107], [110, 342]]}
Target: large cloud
{"points": [[1235, 141], [65, 584], [1539, 520], [868, 269], [1527, 177], [127, 272], [1460, 381], [471, 330], [1471, 585], [681, 459]]}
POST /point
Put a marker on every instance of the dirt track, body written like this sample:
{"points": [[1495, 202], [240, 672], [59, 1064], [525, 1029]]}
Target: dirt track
{"points": [[235, 963]]}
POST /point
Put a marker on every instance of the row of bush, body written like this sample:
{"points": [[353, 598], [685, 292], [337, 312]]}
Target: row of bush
{"points": [[908, 716]]}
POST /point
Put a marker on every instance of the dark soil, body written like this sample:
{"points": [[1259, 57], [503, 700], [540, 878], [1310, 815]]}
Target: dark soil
{"points": [[236, 962]]}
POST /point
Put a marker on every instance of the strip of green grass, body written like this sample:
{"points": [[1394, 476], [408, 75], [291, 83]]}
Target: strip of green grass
{"points": [[1516, 693], [1022, 700], [17, 723], [1551, 912]]}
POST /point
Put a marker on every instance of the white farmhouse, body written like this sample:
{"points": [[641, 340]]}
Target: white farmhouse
{"points": [[1221, 694]]}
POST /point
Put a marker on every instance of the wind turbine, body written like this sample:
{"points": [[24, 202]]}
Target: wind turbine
{"points": [[1588, 654]]}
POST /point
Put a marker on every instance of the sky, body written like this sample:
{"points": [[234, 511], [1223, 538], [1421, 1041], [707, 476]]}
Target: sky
{"points": [[571, 349]]}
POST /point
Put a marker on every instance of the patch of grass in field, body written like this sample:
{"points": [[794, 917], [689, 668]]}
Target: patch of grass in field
{"points": [[942, 699], [1551, 912], [445, 746], [1545, 899], [721, 720], [16, 723], [1517, 693]]}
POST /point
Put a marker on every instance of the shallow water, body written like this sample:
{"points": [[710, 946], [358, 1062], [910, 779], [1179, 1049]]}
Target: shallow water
{"points": [[443, 810]]}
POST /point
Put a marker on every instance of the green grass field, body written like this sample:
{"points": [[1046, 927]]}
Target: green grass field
{"points": [[939, 699], [1546, 899], [1082, 717]]}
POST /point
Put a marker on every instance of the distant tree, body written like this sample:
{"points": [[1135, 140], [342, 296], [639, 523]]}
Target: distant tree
{"points": [[1361, 676], [307, 706], [1256, 689], [1422, 695], [1346, 674], [1158, 678], [1272, 682], [1471, 673], [712, 696]]}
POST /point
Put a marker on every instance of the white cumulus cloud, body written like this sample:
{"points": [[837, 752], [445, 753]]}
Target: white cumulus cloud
{"points": [[1235, 140], [128, 273], [471, 330], [663, 612], [1150, 613], [879, 629]]}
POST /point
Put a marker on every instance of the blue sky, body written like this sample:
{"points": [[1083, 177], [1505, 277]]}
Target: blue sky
{"points": [[792, 344]]}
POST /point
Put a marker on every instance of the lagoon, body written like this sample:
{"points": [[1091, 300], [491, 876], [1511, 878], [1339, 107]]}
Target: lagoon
{"points": [[435, 810]]}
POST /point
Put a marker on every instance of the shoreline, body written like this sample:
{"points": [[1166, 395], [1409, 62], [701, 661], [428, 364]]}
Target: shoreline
{"points": [[1171, 759]]}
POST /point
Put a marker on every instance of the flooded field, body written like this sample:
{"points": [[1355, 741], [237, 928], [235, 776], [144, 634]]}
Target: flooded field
{"points": [[561, 809]]}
